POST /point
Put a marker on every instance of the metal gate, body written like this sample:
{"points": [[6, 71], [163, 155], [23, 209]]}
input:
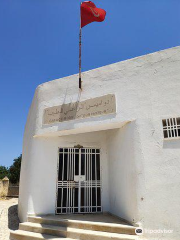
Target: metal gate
{"points": [[79, 183]]}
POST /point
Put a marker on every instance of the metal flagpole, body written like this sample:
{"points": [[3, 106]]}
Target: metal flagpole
{"points": [[80, 33]]}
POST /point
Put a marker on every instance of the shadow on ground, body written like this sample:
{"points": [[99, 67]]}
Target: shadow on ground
{"points": [[13, 220]]}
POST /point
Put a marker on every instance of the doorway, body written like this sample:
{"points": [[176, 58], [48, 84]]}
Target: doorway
{"points": [[79, 181]]}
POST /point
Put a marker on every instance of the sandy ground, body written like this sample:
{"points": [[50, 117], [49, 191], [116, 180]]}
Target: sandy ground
{"points": [[8, 217]]}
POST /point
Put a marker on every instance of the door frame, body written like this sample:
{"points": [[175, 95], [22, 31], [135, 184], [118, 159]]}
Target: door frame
{"points": [[57, 172]]}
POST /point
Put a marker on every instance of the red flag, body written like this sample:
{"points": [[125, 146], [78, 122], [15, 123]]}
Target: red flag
{"points": [[90, 13]]}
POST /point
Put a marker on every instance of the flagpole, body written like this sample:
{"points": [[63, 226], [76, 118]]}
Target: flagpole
{"points": [[80, 34]]}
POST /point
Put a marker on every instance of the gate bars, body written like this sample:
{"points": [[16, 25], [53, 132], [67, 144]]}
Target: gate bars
{"points": [[84, 194]]}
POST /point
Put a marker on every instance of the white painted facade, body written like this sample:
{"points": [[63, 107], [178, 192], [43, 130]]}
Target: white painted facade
{"points": [[140, 170]]}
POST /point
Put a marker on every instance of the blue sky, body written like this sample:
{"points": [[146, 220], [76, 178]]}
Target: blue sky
{"points": [[39, 43]]}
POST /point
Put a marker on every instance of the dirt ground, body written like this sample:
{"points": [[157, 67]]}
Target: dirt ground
{"points": [[8, 217]]}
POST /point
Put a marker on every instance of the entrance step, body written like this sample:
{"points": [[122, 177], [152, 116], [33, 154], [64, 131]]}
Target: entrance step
{"points": [[100, 227], [24, 235], [87, 225], [75, 233]]}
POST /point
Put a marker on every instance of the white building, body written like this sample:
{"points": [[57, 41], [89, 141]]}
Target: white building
{"points": [[107, 149]]}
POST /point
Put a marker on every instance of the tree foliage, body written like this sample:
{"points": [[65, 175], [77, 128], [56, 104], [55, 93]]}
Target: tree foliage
{"points": [[4, 172], [13, 172]]}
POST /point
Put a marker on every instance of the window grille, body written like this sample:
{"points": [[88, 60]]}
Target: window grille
{"points": [[171, 127]]}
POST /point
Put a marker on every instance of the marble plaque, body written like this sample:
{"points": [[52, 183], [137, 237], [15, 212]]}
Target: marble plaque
{"points": [[78, 110]]}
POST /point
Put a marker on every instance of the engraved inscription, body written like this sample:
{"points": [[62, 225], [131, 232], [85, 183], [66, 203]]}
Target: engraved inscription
{"points": [[79, 110]]}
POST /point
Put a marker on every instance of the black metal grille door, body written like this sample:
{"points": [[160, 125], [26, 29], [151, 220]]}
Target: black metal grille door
{"points": [[79, 183]]}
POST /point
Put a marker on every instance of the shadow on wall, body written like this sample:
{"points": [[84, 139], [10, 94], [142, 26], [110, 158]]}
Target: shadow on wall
{"points": [[172, 144], [124, 153], [13, 220]]}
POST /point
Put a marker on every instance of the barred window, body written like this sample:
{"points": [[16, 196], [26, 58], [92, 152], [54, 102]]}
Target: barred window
{"points": [[171, 127]]}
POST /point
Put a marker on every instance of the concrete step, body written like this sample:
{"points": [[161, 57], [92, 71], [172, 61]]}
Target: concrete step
{"points": [[87, 225], [73, 233], [24, 235]]}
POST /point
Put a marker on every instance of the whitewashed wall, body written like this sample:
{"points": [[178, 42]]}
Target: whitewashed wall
{"points": [[160, 180], [147, 90], [122, 150]]}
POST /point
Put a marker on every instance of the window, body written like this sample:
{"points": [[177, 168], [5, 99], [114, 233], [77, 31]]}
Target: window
{"points": [[171, 127]]}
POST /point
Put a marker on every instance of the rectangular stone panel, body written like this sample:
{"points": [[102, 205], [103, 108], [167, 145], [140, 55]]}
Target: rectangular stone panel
{"points": [[78, 110]]}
